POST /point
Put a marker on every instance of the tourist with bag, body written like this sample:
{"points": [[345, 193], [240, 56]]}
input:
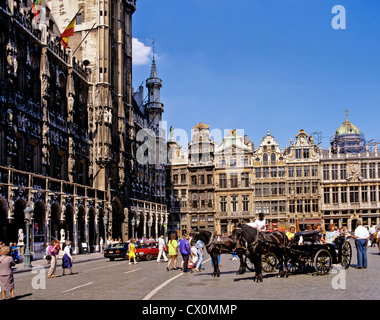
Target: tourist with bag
{"points": [[161, 244], [53, 253], [67, 259], [185, 252], [6, 272], [173, 254]]}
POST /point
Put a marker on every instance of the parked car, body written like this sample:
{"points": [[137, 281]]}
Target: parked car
{"points": [[119, 250], [144, 250], [147, 250]]}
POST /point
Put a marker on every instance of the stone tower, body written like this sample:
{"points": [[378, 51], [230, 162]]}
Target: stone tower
{"points": [[102, 41], [154, 106]]}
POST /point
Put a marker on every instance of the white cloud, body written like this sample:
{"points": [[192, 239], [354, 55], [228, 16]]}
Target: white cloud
{"points": [[141, 54]]}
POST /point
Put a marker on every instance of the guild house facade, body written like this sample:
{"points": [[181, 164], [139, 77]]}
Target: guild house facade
{"points": [[302, 184], [69, 123]]}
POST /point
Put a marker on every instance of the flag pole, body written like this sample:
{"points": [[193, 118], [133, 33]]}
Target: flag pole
{"points": [[84, 38], [60, 37]]}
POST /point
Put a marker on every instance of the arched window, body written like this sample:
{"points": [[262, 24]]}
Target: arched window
{"points": [[265, 158], [273, 157]]}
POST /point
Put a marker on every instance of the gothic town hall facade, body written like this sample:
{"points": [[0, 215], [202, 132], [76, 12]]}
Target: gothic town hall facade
{"points": [[68, 127]]}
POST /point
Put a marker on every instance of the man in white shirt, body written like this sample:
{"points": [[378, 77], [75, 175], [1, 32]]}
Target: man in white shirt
{"points": [[260, 223], [361, 235], [161, 244]]}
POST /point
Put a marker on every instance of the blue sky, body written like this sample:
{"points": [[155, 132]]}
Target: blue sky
{"points": [[261, 65]]}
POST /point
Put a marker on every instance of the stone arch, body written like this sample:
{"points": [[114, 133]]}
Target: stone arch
{"points": [[153, 229], [39, 216], [55, 221], [353, 223], [69, 223], [140, 227], [18, 220], [3, 220], [118, 225], [101, 229], [92, 229], [81, 222]]}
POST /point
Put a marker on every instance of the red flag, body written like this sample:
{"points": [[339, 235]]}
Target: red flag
{"points": [[36, 10], [69, 31]]}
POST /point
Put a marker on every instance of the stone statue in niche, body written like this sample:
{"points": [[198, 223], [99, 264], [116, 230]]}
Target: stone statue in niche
{"points": [[12, 64], [20, 236]]}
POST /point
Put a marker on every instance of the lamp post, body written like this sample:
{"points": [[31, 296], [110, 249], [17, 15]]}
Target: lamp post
{"points": [[105, 222], [27, 254], [150, 222], [133, 227]]}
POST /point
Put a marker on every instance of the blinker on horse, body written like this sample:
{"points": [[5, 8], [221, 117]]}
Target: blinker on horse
{"points": [[258, 243], [215, 245]]}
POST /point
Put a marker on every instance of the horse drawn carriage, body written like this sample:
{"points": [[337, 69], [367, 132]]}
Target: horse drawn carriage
{"points": [[260, 251], [304, 252]]}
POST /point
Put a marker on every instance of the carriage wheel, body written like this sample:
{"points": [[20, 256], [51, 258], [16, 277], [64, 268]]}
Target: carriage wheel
{"points": [[250, 266], [346, 254], [292, 265], [269, 262], [322, 262]]}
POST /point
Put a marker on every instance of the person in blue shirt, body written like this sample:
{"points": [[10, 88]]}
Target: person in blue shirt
{"points": [[14, 251], [184, 248]]}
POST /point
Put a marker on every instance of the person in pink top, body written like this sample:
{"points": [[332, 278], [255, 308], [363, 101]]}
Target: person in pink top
{"points": [[53, 252]]}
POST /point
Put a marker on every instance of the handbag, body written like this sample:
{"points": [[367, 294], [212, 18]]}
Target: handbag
{"points": [[48, 257]]}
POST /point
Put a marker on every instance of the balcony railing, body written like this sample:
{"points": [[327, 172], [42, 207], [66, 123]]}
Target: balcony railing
{"points": [[27, 180]]}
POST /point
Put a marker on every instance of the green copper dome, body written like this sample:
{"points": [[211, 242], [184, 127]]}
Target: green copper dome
{"points": [[347, 128]]}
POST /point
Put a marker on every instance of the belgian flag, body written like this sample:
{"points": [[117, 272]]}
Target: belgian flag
{"points": [[69, 31], [36, 10]]}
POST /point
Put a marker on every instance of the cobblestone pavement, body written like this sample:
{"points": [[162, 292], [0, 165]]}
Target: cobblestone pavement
{"points": [[350, 284], [97, 278]]}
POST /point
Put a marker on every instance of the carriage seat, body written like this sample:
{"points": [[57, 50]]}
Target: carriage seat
{"points": [[310, 236]]}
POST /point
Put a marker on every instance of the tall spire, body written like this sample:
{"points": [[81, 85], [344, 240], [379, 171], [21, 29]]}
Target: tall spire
{"points": [[153, 71]]}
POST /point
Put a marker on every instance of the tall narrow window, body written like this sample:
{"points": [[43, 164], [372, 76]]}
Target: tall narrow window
{"points": [[222, 180], [223, 204], [234, 203], [343, 194], [326, 195], [335, 194], [326, 172], [334, 171], [343, 172], [363, 168], [245, 180], [245, 203], [234, 180], [354, 194]]}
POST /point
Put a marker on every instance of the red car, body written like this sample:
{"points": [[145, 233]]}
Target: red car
{"points": [[147, 250]]}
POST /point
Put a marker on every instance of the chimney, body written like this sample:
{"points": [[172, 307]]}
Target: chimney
{"points": [[245, 139]]}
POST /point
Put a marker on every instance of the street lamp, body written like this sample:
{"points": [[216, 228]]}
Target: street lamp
{"points": [[133, 227], [105, 222], [150, 222], [27, 254]]}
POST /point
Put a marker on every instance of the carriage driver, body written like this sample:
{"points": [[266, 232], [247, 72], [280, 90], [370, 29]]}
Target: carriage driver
{"points": [[260, 223]]}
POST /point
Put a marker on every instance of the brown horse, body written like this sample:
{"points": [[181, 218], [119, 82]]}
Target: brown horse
{"points": [[259, 243], [215, 245]]}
